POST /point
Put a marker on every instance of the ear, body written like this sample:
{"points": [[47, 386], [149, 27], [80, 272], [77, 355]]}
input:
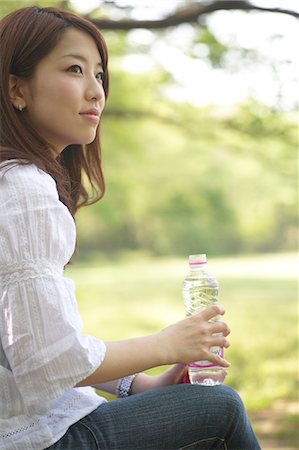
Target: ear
{"points": [[16, 92]]}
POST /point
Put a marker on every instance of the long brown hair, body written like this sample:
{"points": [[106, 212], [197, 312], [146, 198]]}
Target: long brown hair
{"points": [[26, 36]]}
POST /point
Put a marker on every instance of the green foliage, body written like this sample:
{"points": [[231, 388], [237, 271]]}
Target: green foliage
{"points": [[7, 6], [216, 50], [181, 178]]}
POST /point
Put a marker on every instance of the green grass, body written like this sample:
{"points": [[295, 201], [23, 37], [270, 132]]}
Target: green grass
{"points": [[138, 296]]}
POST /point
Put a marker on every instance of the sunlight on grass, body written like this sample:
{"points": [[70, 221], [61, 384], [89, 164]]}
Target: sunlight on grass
{"points": [[134, 297]]}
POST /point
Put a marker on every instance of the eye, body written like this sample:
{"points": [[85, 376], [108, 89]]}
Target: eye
{"points": [[75, 68], [100, 76]]}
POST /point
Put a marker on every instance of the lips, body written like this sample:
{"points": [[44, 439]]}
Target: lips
{"points": [[92, 114]]}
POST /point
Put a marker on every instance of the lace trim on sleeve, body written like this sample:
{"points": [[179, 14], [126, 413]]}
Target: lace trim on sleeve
{"points": [[26, 270]]}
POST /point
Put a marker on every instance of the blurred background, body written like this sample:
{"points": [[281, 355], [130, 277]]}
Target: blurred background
{"points": [[200, 155]]}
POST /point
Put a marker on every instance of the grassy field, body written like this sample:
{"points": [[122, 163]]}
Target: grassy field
{"points": [[137, 295]]}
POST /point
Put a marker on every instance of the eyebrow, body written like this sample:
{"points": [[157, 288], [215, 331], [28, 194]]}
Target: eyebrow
{"points": [[80, 57]]}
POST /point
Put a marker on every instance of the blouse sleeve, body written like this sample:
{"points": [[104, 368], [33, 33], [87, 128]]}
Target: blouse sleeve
{"points": [[41, 332]]}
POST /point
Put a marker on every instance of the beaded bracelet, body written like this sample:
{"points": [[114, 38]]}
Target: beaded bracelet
{"points": [[123, 388]]}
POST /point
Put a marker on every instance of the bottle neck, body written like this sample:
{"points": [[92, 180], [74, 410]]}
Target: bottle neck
{"points": [[198, 266]]}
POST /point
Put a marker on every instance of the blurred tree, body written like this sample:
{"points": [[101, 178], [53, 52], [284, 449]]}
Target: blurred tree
{"points": [[6, 6], [180, 177], [190, 13]]}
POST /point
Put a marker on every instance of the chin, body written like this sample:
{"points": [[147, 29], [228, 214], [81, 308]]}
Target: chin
{"points": [[84, 141], [89, 139], [92, 140]]}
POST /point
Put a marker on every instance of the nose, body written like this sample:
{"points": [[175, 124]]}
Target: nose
{"points": [[95, 90]]}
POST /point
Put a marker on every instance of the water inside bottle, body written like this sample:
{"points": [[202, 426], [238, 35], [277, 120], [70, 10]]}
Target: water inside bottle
{"points": [[210, 377], [199, 295], [198, 299]]}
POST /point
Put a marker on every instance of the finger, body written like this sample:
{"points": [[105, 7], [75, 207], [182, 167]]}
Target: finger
{"points": [[219, 341], [175, 373], [212, 311], [211, 357], [220, 327]]}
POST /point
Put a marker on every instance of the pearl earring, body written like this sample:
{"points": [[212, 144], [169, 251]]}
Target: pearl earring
{"points": [[20, 108]]}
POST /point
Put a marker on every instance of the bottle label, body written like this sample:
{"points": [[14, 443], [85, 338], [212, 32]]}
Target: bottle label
{"points": [[207, 364]]}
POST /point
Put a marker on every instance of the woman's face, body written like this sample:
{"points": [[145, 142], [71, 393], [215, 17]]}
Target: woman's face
{"points": [[65, 97]]}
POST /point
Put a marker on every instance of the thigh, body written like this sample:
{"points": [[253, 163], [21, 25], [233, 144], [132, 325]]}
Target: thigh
{"points": [[167, 418], [79, 436], [174, 417]]}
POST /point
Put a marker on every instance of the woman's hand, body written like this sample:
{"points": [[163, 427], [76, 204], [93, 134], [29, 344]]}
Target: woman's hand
{"points": [[186, 341], [191, 339], [144, 382], [173, 375]]}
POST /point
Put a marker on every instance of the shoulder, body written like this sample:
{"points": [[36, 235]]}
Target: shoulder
{"points": [[34, 223], [26, 180], [31, 193]]}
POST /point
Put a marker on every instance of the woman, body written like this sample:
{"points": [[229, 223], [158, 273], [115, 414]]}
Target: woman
{"points": [[54, 82]]}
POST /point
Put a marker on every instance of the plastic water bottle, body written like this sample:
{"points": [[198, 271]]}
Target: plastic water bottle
{"points": [[200, 290]]}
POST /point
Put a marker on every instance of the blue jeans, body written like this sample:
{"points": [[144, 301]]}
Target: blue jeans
{"points": [[175, 417]]}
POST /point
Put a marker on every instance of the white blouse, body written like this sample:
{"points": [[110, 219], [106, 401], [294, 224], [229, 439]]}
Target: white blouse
{"points": [[43, 353]]}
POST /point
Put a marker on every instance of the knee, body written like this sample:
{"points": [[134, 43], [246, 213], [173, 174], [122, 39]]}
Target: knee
{"points": [[231, 400]]}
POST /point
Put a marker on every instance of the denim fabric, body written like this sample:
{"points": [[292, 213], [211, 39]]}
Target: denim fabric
{"points": [[188, 417]]}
